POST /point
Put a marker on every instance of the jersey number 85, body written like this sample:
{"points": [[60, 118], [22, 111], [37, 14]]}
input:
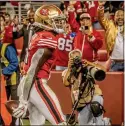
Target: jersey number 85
{"points": [[65, 44]]}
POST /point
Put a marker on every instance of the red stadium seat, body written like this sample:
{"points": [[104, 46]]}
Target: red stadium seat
{"points": [[102, 55]]}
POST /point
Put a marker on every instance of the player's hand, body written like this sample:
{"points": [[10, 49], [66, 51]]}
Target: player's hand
{"points": [[22, 65], [21, 111], [101, 3], [23, 72]]}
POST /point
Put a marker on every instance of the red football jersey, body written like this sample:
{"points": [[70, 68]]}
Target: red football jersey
{"points": [[42, 39], [65, 45]]}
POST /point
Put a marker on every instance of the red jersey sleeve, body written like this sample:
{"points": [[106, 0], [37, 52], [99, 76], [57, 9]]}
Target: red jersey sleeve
{"points": [[44, 40]]}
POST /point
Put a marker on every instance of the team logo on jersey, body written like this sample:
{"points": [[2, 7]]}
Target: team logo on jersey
{"points": [[44, 12]]}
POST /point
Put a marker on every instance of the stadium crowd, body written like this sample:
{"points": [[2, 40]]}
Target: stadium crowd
{"points": [[83, 26]]}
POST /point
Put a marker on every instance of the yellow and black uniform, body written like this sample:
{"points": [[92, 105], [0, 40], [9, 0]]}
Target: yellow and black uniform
{"points": [[10, 70], [5, 117]]}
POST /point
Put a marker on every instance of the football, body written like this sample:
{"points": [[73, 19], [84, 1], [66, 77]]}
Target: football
{"points": [[11, 104]]}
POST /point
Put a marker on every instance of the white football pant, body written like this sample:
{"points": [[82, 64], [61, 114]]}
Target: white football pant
{"points": [[43, 104]]}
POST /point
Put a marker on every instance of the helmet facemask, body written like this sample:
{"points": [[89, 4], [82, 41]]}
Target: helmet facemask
{"points": [[59, 24]]}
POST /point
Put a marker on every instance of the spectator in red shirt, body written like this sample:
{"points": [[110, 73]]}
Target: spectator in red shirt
{"points": [[2, 27], [87, 39], [8, 34], [77, 5], [91, 7]]}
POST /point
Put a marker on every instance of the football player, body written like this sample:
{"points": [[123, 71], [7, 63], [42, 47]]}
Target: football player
{"points": [[65, 42], [35, 95]]}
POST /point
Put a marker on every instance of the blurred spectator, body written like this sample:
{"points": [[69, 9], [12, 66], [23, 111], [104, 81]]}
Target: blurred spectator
{"points": [[2, 27], [114, 37], [10, 9], [113, 6], [8, 34], [9, 61], [10, 70], [17, 23], [116, 4], [122, 5], [5, 117], [30, 16], [24, 32], [7, 19], [76, 4], [16, 20], [72, 19], [87, 39], [63, 8], [91, 7], [2, 10]]}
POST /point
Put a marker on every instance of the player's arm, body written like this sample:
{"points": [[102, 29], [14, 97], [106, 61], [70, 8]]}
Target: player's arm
{"points": [[38, 59]]}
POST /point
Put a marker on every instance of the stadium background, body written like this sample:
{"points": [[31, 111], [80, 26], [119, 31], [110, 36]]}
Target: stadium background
{"points": [[112, 86]]}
